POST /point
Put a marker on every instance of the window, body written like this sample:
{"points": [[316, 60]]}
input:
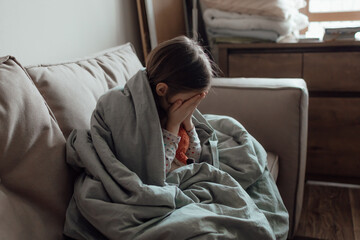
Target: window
{"points": [[330, 14], [350, 7]]}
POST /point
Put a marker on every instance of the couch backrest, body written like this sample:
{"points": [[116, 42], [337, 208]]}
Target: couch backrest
{"points": [[39, 106], [72, 89], [35, 181]]}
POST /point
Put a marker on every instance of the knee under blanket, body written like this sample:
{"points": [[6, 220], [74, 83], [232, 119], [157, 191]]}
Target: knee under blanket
{"points": [[122, 192]]}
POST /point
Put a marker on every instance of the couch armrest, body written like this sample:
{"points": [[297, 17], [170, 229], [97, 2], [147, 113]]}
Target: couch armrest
{"points": [[275, 112]]}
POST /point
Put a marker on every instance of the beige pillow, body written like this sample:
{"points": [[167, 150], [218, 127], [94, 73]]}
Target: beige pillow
{"points": [[276, 9], [35, 183], [72, 89]]}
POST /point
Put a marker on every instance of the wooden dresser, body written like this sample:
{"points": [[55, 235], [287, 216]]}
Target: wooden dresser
{"points": [[332, 73]]}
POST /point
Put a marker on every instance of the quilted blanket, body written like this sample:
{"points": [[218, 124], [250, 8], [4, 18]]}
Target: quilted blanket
{"points": [[123, 192]]}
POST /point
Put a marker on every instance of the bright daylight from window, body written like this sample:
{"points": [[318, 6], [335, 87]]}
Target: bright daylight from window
{"points": [[334, 5], [316, 28]]}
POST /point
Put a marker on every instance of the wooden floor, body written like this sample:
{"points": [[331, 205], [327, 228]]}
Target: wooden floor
{"points": [[330, 212]]}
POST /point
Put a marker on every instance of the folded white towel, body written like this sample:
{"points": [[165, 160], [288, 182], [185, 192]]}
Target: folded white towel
{"points": [[275, 9], [215, 18], [230, 33]]}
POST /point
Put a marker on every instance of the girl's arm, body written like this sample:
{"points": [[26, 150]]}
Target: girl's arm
{"points": [[171, 142], [194, 149]]}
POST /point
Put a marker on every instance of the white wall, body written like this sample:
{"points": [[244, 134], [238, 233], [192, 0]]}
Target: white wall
{"points": [[48, 31]]}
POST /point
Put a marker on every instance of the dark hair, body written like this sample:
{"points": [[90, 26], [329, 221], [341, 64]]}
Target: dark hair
{"points": [[182, 64]]}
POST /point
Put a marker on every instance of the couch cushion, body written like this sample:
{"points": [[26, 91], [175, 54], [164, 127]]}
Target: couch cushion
{"points": [[273, 164], [72, 89], [35, 183]]}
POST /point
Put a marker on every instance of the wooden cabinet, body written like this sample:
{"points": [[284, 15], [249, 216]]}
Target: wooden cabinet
{"points": [[332, 73], [274, 64], [334, 136]]}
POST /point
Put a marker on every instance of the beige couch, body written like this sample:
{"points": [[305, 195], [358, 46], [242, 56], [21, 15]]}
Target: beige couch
{"points": [[40, 105]]}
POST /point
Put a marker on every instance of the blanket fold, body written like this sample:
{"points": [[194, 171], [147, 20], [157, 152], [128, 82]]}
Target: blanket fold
{"points": [[122, 191]]}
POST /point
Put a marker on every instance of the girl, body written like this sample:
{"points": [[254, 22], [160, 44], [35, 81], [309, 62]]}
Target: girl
{"points": [[179, 73]]}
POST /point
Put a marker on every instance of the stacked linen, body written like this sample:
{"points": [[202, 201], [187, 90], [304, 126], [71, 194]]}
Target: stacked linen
{"points": [[263, 20]]}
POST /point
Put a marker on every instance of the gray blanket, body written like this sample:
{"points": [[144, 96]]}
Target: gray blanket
{"points": [[122, 191]]}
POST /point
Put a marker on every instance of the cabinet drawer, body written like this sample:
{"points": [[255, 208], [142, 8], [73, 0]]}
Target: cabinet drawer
{"points": [[336, 71], [269, 65], [334, 136]]}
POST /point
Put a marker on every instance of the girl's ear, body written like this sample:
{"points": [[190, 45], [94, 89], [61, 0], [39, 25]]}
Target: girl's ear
{"points": [[161, 89]]}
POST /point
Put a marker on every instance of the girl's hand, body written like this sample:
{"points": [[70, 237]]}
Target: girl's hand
{"points": [[179, 111], [188, 124]]}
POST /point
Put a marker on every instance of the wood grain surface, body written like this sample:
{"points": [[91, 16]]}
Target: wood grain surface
{"points": [[270, 65], [334, 136], [332, 71], [330, 213]]}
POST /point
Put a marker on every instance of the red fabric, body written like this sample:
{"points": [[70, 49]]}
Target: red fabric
{"points": [[182, 146]]}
